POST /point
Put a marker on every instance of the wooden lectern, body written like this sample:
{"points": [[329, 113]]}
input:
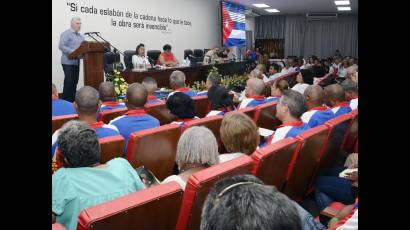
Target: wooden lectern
{"points": [[93, 54]]}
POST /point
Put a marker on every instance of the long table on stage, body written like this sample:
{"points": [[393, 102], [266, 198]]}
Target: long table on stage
{"points": [[192, 73]]}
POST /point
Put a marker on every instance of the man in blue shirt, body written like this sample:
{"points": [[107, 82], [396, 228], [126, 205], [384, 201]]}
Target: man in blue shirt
{"points": [[254, 93], [135, 119], [60, 107], [108, 97], [177, 83], [86, 103], [317, 114], [70, 40], [151, 85], [336, 99]]}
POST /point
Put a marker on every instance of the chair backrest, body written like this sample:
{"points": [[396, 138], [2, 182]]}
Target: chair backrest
{"points": [[155, 149], [154, 55], [265, 116], [111, 147], [58, 121], [109, 59], [213, 123], [156, 207], [311, 143], [250, 111], [160, 111], [198, 187], [352, 132], [338, 127], [199, 54], [271, 162], [57, 226], [202, 106], [128, 58], [188, 52], [107, 115]]}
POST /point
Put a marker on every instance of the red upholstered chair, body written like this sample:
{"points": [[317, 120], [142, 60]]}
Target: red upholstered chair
{"points": [[352, 132], [111, 147], [250, 111], [107, 115], [303, 164], [160, 111], [338, 127], [202, 106], [58, 121], [272, 161], [57, 226], [155, 149], [213, 123], [265, 116], [198, 187], [156, 207]]}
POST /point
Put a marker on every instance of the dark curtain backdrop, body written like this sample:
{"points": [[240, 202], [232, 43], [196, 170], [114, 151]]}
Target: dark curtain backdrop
{"points": [[304, 38]]}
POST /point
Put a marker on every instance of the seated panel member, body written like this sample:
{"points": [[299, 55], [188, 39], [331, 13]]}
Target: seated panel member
{"points": [[335, 98], [351, 93], [254, 93], [211, 55], [135, 119], [177, 83], [167, 58], [140, 58], [86, 103], [289, 109], [151, 85], [317, 114], [60, 107]]}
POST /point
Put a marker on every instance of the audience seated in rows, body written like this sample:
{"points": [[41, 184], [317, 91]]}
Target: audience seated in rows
{"points": [[86, 103], [351, 92], [318, 69], [244, 202], [274, 72], [60, 107], [82, 181], [290, 66], [177, 83], [289, 109], [317, 114], [181, 107], [240, 136], [304, 79], [254, 93], [255, 73], [341, 73], [108, 97], [219, 101], [262, 68], [335, 98], [197, 149], [277, 89], [135, 119], [337, 62], [213, 79], [151, 86]]}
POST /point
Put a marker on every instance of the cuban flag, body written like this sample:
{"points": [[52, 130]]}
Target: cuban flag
{"points": [[233, 24]]}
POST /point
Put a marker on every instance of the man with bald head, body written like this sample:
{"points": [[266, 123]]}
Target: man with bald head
{"points": [[254, 93], [177, 83], [108, 97], [317, 113], [151, 85], [335, 99], [87, 102], [135, 119]]}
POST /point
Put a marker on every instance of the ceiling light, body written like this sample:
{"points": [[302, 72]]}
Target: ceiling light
{"points": [[344, 8], [342, 3], [261, 5], [272, 10]]}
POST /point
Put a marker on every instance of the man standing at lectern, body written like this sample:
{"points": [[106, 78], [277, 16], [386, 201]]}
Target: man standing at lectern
{"points": [[70, 40]]}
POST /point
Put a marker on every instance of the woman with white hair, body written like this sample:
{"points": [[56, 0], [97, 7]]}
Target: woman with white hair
{"points": [[197, 149]]}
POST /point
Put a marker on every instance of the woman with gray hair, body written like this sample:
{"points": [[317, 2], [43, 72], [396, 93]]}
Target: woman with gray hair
{"points": [[197, 149], [83, 182]]}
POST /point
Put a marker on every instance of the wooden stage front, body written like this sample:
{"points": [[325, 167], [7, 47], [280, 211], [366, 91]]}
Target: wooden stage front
{"points": [[197, 73]]}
